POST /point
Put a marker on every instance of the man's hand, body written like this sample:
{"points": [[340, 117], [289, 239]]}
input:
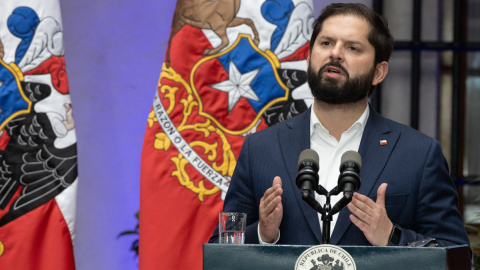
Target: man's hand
{"points": [[371, 217], [271, 211]]}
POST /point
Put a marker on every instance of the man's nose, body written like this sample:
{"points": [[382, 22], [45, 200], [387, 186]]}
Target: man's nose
{"points": [[337, 52]]}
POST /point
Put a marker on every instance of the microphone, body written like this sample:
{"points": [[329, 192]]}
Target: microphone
{"points": [[349, 179], [307, 176]]}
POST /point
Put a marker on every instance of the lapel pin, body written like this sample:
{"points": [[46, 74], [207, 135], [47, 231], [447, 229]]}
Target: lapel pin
{"points": [[383, 142]]}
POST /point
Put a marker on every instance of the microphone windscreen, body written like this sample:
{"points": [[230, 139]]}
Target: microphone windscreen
{"points": [[308, 155], [352, 157]]}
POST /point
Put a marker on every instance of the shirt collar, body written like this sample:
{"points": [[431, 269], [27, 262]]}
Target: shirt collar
{"points": [[361, 122]]}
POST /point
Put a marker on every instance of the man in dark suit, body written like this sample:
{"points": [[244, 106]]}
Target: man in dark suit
{"points": [[406, 193]]}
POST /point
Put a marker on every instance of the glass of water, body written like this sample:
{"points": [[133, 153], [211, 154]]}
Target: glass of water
{"points": [[231, 227]]}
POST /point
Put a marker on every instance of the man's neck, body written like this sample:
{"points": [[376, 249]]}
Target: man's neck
{"points": [[338, 118]]}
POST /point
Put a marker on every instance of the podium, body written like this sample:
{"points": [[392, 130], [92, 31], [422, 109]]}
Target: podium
{"points": [[252, 257]]}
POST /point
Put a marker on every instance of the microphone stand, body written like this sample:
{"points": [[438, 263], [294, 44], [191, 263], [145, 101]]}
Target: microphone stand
{"points": [[326, 211]]}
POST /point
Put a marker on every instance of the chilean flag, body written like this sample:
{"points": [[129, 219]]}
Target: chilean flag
{"points": [[231, 68], [38, 156]]}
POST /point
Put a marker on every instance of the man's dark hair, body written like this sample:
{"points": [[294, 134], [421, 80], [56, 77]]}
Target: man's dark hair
{"points": [[379, 35]]}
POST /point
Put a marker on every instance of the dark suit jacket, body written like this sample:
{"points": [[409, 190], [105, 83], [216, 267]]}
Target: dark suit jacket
{"points": [[421, 198]]}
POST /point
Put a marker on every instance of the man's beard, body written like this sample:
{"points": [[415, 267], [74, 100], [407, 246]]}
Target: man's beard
{"points": [[330, 91]]}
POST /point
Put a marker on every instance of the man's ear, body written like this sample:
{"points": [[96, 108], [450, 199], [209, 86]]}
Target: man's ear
{"points": [[381, 71]]}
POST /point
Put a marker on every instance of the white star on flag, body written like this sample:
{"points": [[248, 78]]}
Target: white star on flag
{"points": [[237, 86]]}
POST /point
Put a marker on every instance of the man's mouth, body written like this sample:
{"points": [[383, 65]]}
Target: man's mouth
{"points": [[334, 71]]}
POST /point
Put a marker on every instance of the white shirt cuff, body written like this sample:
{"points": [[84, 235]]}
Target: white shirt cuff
{"points": [[260, 238]]}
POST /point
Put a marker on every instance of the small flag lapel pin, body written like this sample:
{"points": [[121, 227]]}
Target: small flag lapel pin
{"points": [[383, 142]]}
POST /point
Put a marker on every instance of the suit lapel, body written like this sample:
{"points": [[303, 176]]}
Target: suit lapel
{"points": [[295, 138], [374, 157]]}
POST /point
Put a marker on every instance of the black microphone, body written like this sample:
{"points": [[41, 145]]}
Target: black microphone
{"points": [[349, 179], [307, 176]]}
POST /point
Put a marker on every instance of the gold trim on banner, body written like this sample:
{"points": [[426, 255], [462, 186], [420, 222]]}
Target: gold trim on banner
{"points": [[163, 142]]}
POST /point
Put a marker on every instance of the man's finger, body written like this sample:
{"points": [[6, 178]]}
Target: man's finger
{"points": [[382, 189], [272, 196], [277, 181], [272, 202]]}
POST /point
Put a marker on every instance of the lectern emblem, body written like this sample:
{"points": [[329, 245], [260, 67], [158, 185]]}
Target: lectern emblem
{"points": [[325, 257]]}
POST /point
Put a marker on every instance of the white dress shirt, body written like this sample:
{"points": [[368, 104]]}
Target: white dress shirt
{"points": [[330, 152]]}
